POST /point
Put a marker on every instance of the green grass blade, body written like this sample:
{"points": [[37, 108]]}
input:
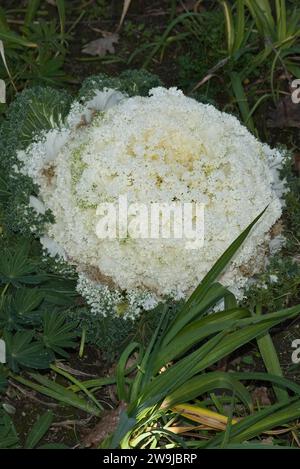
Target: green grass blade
{"points": [[253, 425], [242, 100], [58, 392], [13, 38], [31, 10], [240, 25], [271, 361], [61, 7], [281, 19], [229, 26]]}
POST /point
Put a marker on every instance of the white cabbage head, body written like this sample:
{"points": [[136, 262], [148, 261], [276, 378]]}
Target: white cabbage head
{"points": [[157, 149]]}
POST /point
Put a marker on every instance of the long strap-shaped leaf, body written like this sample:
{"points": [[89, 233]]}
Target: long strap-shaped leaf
{"points": [[208, 382], [265, 420], [196, 331], [213, 350]]}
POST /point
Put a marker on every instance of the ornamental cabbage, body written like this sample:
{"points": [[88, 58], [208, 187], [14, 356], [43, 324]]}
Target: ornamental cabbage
{"points": [[158, 148]]}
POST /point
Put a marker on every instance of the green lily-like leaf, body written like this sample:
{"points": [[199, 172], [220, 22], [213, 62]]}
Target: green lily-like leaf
{"points": [[58, 334], [8, 435], [19, 310], [23, 351], [16, 268]]}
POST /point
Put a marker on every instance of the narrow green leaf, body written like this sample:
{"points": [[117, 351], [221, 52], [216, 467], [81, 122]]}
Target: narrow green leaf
{"points": [[271, 361], [205, 383], [31, 10], [242, 100], [39, 429]]}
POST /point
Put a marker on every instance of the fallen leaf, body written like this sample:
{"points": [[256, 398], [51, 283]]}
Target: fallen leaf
{"points": [[261, 396], [102, 46]]}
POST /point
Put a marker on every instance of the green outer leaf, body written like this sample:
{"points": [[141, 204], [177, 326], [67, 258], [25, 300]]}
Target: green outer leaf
{"points": [[208, 382], [39, 429]]}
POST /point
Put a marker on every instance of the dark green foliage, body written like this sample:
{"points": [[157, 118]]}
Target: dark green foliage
{"points": [[33, 325], [132, 82], [34, 110], [112, 334], [3, 380], [9, 438], [39, 429], [279, 285], [16, 268], [292, 199], [35, 45], [272, 295], [8, 434], [57, 333], [23, 351]]}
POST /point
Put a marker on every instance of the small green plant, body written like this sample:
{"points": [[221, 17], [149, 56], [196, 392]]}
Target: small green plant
{"points": [[35, 51], [33, 328], [9, 438], [276, 46]]}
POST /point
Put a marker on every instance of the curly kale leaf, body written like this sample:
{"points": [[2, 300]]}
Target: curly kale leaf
{"points": [[131, 82], [34, 110]]}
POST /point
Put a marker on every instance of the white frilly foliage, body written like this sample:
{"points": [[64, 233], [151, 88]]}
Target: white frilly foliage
{"points": [[160, 148]]}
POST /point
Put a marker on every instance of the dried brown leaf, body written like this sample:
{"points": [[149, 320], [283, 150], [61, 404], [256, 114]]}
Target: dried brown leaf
{"points": [[102, 46]]}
